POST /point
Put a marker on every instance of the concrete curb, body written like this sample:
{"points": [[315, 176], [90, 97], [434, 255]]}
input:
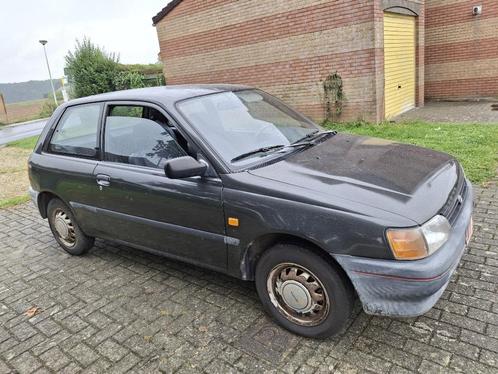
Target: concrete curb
{"points": [[25, 123]]}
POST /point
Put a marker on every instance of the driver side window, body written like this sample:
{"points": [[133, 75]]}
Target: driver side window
{"points": [[139, 135]]}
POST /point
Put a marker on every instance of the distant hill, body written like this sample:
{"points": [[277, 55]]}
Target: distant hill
{"points": [[26, 91]]}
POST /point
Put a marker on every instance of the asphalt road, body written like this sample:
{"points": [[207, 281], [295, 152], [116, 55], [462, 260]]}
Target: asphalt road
{"points": [[16, 132]]}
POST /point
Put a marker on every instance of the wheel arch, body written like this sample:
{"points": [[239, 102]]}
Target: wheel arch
{"points": [[43, 200], [265, 242]]}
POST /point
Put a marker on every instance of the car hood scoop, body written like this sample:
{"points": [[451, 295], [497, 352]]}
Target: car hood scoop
{"points": [[407, 180]]}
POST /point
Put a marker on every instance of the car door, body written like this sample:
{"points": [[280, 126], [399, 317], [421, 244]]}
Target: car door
{"points": [[139, 205]]}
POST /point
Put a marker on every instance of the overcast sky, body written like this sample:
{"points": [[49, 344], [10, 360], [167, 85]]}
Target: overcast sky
{"points": [[121, 26]]}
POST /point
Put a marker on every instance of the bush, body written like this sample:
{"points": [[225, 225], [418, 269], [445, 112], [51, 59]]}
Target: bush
{"points": [[129, 79], [91, 70], [48, 108]]}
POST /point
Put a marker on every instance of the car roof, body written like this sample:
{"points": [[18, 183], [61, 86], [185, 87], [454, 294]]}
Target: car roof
{"points": [[167, 95]]}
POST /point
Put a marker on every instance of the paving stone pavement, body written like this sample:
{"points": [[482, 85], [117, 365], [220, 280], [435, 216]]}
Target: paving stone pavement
{"points": [[118, 309], [454, 112]]}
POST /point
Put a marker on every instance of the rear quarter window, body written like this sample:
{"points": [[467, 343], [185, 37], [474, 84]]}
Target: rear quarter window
{"points": [[77, 131]]}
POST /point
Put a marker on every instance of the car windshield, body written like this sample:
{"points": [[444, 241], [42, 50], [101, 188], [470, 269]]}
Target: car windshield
{"points": [[242, 126]]}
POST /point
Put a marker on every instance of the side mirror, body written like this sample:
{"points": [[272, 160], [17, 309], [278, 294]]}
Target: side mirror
{"points": [[184, 167]]}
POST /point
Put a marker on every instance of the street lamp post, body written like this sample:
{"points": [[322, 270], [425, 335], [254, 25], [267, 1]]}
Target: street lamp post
{"points": [[43, 42]]}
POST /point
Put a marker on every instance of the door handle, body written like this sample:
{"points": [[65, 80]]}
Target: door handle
{"points": [[103, 180]]}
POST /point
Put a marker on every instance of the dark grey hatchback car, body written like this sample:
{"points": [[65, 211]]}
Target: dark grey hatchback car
{"points": [[229, 178]]}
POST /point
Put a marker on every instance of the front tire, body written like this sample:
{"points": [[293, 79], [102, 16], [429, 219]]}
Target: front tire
{"points": [[65, 229], [303, 292]]}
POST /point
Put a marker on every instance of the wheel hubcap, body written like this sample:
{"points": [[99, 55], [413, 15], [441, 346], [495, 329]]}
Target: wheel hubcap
{"points": [[295, 295], [298, 294], [64, 228]]}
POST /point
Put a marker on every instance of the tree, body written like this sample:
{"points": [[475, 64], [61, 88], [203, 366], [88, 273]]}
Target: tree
{"points": [[91, 70]]}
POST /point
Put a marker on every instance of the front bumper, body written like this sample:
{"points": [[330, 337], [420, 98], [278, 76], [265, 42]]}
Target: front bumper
{"points": [[409, 288]]}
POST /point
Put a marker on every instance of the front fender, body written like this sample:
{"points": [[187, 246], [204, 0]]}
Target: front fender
{"points": [[335, 231]]}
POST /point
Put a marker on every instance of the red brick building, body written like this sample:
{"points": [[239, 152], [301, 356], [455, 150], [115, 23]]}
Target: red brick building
{"points": [[288, 47], [461, 49]]}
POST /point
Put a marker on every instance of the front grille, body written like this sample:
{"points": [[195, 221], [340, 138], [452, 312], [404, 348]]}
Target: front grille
{"points": [[451, 209]]}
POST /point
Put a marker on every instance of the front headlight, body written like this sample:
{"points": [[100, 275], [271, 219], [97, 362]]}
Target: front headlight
{"points": [[419, 242], [436, 233]]}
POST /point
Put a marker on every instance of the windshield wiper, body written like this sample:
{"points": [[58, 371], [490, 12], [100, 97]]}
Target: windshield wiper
{"points": [[312, 135], [299, 143], [256, 151], [307, 136]]}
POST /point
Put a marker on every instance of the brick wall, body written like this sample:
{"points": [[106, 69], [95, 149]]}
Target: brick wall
{"points": [[284, 47], [461, 54]]}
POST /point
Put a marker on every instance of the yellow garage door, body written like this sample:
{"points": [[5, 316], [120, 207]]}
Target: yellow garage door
{"points": [[399, 63]]}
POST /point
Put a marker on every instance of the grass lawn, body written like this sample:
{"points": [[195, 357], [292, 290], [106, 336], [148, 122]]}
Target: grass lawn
{"points": [[14, 172], [474, 145], [28, 143], [6, 203]]}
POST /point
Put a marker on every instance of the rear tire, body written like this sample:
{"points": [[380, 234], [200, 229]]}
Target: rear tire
{"points": [[66, 230], [303, 292]]}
